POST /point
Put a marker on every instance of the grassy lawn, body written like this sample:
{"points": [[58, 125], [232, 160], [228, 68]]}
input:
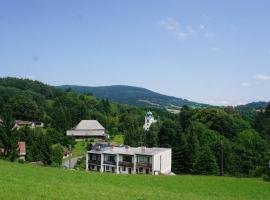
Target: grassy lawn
{"points": [[119, 139], [23, 181]]}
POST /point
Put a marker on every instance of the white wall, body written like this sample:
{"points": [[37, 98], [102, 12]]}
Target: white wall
{"points": [[162, 162]]}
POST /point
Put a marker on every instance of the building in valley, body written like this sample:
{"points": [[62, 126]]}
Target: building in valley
{"points": [[129, 160], [31, 124], [88, 129]]}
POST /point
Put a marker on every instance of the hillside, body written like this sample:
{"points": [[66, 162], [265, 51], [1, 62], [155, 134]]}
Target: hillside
{"points": [[31, 182], [253, 106], [133, 96]]}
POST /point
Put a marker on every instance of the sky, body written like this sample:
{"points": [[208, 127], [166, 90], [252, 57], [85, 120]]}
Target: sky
{"points": [[215, 52]]}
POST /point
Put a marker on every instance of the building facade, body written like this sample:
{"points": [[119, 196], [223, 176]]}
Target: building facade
{"points": [[129, 160], [88, 129]]}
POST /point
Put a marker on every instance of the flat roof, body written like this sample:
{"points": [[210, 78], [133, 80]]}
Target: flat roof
{"points": [[130, 150]]}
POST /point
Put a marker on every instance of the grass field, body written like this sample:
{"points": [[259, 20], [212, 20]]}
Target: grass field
{"points": [[22, 181], [119, 139]]}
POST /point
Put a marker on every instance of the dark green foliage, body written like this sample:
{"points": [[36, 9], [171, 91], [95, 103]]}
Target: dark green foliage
{"points": [[152, 135], [185, 117], [8, 135], [180, 155], [57, 155], [262, 123], [205, 163], [250, 152]]}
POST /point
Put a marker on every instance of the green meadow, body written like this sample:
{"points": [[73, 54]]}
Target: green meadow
{"points": [[24, 181]]}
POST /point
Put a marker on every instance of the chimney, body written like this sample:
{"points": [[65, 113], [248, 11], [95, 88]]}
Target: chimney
{"points": [[126, 147], [143, 148]]}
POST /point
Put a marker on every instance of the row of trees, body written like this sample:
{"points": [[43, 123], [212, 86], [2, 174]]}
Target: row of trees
{"points": [[210, 141]]}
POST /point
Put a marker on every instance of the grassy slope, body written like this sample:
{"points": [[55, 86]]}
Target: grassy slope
{"points": [[19, 181]]}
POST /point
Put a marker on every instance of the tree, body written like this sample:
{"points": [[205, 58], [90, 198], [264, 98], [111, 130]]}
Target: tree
{"points": [[262, 123], [185, 117], [24, 108], [205, 163], [193, 146], [168, 133], [250, 151], [152, 135], [180, 156], [8, 135], [57, 155]]}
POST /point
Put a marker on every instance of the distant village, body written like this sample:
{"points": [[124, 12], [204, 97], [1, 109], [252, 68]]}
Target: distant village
{"points": [[109, 156]]}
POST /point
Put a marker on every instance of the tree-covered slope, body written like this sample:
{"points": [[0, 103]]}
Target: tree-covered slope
{"points": [[133, 96]]}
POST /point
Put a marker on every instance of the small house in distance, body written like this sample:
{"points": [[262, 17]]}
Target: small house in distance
{"points": [[88, 129]]}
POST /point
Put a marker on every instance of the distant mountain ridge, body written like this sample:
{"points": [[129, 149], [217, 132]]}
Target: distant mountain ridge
{"points": [[254, 105], [135, 96]]}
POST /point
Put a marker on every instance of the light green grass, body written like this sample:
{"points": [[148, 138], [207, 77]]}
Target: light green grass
{"points": [[119, 139], [23, 181]]}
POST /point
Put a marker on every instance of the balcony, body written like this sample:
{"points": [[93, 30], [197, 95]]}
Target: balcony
{"points": [[144, 164], [125, 164], [109, 162], [95, 162]]}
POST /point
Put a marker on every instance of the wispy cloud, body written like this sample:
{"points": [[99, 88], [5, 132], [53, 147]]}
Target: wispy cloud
{"points": [[262, 77], [205, 32], [179, 31], [245, 84]]}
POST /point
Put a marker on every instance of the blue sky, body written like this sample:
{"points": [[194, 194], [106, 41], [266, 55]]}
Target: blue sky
{"points": [[216, 52]]}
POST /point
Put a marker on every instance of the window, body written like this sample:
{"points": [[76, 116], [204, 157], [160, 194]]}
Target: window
{"points": [[107, 168], [141, 170], [111, 158], [124, 169]]}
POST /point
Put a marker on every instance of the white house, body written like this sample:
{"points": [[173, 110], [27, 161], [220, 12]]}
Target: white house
{"points": [[129, 160], [88, 129], [149, 120]]}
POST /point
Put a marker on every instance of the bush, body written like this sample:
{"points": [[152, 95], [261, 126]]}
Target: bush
{"points": [[266, 178], [258, 172], [21, 161], [57, 154]]}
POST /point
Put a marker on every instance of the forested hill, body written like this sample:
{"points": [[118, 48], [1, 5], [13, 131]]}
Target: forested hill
{"points": [[133, 96], [197, 136]]}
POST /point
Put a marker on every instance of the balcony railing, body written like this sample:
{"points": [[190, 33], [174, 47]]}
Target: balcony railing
{"points": [[109, 162], [125, 164], [96, 162], [144, 164]]}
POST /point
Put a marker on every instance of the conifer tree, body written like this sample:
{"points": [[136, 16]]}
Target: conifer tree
{"points": [[206, 163]]}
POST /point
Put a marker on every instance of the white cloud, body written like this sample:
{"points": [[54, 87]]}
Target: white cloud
{"points": [[262, 77], [184, 32], [180, 32]]}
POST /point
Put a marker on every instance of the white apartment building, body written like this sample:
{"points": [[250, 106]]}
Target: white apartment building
{"points": [[129, 160]]}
